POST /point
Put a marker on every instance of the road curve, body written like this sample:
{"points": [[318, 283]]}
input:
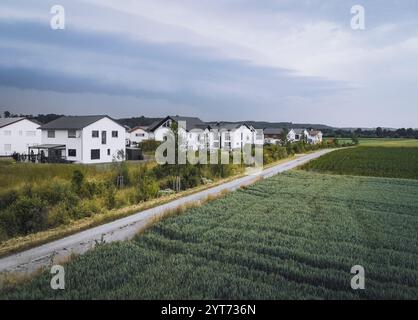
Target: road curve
{"points": [[123, 229]]}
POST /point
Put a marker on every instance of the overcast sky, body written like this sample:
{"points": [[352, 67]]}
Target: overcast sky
{"points": [[274, 60]]}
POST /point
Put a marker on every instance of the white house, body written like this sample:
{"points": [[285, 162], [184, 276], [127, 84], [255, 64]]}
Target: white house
{"points": [[258, 136], [17, 135], [138, 134], [193, 131], [83, 139], [295, 135], [274, 135], [199, 135], [313, 136], [234, 135]]}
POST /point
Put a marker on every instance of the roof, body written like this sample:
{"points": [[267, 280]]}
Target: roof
{"points": [[48, 146], [73, 122], [137, 128], [273, 131], [299, 131], [191, 122], [229, 126], [8, 121], [314, 132]]}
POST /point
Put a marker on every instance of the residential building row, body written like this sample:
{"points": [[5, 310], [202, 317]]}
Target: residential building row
{"points": [[101, 139]]}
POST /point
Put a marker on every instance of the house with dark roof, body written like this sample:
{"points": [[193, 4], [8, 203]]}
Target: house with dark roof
{"points": [[137, 135], [193, 131], [235, 135], [83, 139], [309, 136], [274, 135], [17, 135]]}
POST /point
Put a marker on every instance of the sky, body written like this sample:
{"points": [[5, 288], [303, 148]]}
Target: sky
{"points": [[270, 60]]}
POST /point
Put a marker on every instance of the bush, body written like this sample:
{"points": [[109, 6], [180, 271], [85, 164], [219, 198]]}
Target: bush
{"points": [[26, 215], [54, 192], [58, 215], [149, 145], [77, 180], [147, 189], [110, 197], [7, 198]]}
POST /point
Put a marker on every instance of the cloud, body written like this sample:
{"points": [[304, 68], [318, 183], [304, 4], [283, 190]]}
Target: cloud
{"points": [[221, 59]]}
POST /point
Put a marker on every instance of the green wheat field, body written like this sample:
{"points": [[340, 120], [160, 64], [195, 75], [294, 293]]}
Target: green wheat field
{"points": [[293, 236]]}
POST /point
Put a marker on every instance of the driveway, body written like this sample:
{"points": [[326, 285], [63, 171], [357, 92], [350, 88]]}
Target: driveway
{"points": [[126, 228]]}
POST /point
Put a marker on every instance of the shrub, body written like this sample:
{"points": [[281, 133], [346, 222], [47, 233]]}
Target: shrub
{"points": [[110, 197], [147, 189], [26, 215], [149, 145], [77, 180], [58, 215], [54, 192], [7, 198]]}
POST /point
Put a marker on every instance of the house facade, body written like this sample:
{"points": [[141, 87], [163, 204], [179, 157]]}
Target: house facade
{"points": [[313, 136], [137, 135], [17, 135], [274, 135], [198, 135], [309, 136], [295, 135], [231, 136], [83, 139]]}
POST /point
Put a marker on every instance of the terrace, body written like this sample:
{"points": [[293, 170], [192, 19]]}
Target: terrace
{"points": [[44, 153]]}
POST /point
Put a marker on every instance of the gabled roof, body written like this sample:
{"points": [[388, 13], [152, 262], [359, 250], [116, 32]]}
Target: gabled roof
{"points": [[73, 122], [314, 132], [229, 126], [8, 121], [191, 122], [299, 131], [272, 131], [137, 128]]}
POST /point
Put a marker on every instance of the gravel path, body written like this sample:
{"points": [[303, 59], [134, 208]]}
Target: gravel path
{"points": [[123, 229]]}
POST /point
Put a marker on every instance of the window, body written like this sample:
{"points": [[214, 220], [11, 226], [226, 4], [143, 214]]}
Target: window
{"points": [[20, 133], [108, 152], [95, 154], [7, 147], [104, 137], [72, 152], [95, 134], [227, 136], [72, 134], [51, 133], [7, 133], [30, 133], [115, 134], [140, 135]]}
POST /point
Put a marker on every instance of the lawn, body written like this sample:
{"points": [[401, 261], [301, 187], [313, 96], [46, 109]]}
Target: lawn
{"points": [[295, 235], [383, 161]]}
